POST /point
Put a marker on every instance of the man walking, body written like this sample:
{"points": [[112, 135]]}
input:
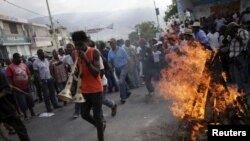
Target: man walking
{"points": [[118, 58], [91, 87]]}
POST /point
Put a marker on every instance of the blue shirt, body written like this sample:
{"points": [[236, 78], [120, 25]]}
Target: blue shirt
{"points": [[202, 38], [118, 58]]}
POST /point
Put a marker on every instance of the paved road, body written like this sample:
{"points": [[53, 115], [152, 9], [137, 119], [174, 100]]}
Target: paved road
{"points": [[138, 114]]}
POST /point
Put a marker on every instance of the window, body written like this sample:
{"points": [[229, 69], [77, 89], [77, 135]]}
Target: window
{"points": [[13, 28]]}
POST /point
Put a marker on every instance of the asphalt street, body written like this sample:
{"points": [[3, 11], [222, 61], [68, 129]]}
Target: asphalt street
{"points": [[137, 116]]}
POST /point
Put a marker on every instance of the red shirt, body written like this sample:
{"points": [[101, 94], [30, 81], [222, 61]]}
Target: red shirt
{"points": [[19, 75]]}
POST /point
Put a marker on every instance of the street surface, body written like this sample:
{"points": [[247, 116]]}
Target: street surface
{"points": [[133, 122]]}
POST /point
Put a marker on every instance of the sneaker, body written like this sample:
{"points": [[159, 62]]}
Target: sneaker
{"points": [[114, 110]]}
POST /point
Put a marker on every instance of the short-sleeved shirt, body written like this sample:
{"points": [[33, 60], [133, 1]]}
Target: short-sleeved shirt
{"points": [[156, 55], [19, 75], [68, 60], [118, 58], [58, 70], [236, 48], [42, 66]]}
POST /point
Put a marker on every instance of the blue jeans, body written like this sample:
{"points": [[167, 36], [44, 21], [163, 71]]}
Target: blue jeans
{"points": [[49, 93], [23, 101], [111, 80], [121, 74]]}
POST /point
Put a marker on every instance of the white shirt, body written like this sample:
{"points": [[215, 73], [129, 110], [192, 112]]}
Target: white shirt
{"points": [[43, 68], [156, 55], [68, 60], [104, 79], [213, 39]]}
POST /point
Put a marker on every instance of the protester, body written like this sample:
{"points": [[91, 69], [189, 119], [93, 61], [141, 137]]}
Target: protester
{"points": [[146, 56], [42, 72], [91, 82], [118, 59], [18, 76], [8, 114]]}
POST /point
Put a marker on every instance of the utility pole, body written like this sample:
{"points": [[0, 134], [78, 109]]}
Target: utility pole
{"points": [[157, 14], [52, 27]]}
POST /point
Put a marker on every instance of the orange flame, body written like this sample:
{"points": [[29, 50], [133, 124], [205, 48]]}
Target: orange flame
{"points": [[182, 78], [195, 130]]}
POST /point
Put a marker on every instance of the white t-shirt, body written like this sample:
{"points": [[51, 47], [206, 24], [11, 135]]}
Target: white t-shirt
{"points": [[156, 55], [213, 39], [104, 79]]}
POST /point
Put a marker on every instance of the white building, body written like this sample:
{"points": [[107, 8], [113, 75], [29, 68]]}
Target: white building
{"points": [[13, 37], [40, 37], [62, 36]]}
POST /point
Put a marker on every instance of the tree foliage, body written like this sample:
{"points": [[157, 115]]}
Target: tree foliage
{"points": [[146, 30], [133, 37], [172, 10]]}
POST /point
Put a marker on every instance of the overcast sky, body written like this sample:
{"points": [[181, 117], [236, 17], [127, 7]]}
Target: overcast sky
{"points": [[70, 6], [111, 7]]}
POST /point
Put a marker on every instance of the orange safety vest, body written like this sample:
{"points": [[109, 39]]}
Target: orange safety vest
{"points": [[89, 83]]}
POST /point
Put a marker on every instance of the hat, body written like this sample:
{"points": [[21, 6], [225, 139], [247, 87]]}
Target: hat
{"points": [[196, 24], [188, 32], [232, 24]]}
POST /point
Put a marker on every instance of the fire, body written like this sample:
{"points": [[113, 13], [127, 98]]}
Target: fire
{"points": [[194, 89], [182, 78], [195, 130], [187, 80]]}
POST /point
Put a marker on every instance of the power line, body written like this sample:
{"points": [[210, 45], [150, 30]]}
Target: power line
{"points": [[22, 8], [28, 10]]}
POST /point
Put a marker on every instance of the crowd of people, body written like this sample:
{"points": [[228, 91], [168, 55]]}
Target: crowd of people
{"points": [[115, 66]]}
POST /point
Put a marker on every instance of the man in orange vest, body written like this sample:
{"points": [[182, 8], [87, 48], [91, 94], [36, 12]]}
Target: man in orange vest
{"points": [[91, 86]]}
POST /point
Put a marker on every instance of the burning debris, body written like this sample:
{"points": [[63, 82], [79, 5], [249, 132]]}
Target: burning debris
{"points": [[195, 84]]}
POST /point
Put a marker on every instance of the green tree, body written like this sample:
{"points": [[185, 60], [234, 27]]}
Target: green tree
{"points": [[133, 37], [171, 10], [146, 30]]}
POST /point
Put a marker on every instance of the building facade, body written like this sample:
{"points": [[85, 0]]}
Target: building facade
{"points": [[13, 37], [62, 36], [40, 37], [204, 8]]}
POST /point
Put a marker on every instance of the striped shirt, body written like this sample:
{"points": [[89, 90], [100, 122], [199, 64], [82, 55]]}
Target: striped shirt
{"points": [[235, 46]]}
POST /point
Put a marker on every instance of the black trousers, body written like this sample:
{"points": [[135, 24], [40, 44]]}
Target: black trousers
{"points": [[18, 126], [148, 75], [93, 101]]}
